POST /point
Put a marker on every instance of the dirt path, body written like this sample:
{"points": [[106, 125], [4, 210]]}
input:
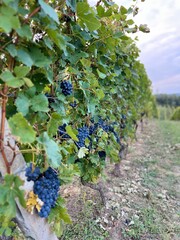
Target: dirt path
{"points": [[141, 204]]}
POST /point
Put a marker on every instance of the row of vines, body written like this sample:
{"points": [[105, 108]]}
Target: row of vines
{"points": [[72, 89]]}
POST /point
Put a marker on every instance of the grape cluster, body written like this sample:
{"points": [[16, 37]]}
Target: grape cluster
{"points": [[73, 104], [32, 174], [102, 154], [116, 136], [62, 132], [102, 124], [47, 188], [50, 98], [93, 128], [124, 116], [83, 133], [66, 87]]}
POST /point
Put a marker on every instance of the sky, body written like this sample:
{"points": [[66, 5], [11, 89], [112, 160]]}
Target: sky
{"points": [[160, 49]]}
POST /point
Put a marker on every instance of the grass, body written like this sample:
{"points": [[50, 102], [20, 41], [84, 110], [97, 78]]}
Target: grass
{"points": [[85, 227], [170, 131], [149, 178], [147, 222]]}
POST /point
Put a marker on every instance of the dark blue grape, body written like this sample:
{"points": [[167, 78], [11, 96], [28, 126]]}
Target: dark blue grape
{"points": [[83, 133], [50, 98], [66, 87], [102, 124], [122, 126], [62, 132], [102, 154], [46, 186], [93, 128], [124, 116], [31, 174], [73, 104]]}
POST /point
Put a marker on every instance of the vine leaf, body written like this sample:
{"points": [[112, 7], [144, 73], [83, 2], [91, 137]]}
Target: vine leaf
{"points": [[33, 202], [82, 152], [100, 94], [86, 15], [33, 57], [58, 216], [9, 191], [71, 132], [39, 103], [71, 4], [7, 19], [21, 128], [57, 38], [10, 80], [52, 150], [21, 71], [25, 31], [22, 103], [49, 10], [53, 124]]}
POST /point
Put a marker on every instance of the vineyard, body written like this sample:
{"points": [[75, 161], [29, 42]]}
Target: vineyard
{"points": [[73, 93]]}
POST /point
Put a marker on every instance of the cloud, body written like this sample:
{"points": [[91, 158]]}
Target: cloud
{"points": [[170, 85]]}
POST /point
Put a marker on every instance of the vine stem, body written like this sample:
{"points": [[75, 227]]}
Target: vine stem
{"points": [[2, 131], [4, 101], [98, 187]]}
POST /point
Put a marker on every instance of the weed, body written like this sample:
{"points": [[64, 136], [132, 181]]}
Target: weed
{"points": [[148, 222], [85, 227]]}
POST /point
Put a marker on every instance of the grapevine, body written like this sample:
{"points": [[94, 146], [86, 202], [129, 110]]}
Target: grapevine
{"points": [[76, 89]]}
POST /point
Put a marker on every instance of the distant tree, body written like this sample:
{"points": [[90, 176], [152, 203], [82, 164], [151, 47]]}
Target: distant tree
{"points": [[172, 100]]}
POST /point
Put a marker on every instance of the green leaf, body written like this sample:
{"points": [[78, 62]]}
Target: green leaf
{"points": [[72, 133], [21, 128], [82, 152], [67, 173], [100, 94], [130, 22], [33, 57], [12, 50], [71, 4], [64, 215], [9, 191], [49, 10], [24, 56], [11, 81], [54, 123], [25, 31], [101, 75], [7, 19], [39, 59], [144, 28], [39, 103], [22, 103], [57, 39], [21, 71], [6, 76], [52, 150], [86, 16], [28, 82], [123, 10]]}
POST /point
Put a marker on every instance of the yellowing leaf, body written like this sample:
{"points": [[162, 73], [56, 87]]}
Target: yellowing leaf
{"points": [[82, 152], [33, 202]]}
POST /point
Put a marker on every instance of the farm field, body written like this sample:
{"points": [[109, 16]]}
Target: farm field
{"points": [[143, 203]]}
